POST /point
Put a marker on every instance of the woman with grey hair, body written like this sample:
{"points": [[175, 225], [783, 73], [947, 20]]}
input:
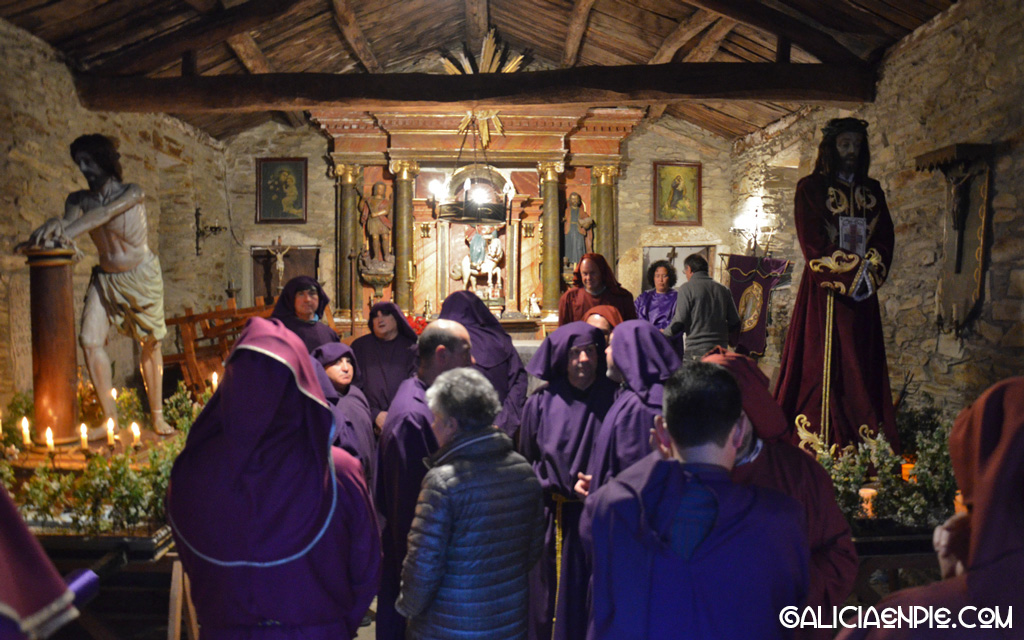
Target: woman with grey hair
{"points": [[479, 524]]}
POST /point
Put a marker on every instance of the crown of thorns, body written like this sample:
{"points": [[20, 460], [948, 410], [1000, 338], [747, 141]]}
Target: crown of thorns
{"points": [[845, 125]]}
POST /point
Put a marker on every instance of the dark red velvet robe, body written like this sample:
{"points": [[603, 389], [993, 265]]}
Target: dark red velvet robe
{"points": [[859, 382]]}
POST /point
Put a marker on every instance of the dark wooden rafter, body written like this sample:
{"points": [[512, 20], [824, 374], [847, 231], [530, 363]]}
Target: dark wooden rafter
{"points": [[686, 31], [204, 6], [254, 60], [817, 43], [845, 16], [345, 16], [574, 34], [703, 52], [210, 30], [476, 22], [597, 86]]}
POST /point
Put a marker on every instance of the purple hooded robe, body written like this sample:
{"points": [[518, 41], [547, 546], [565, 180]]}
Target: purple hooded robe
{"points": [[313, 333], [352, 424], [385, 365], [680, 551], [659, 309], [274, 526], [558, 427], [495, 356], [405, 441], [646, 359]]}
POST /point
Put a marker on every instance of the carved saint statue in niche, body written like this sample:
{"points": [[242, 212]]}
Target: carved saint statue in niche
{"points": [[578, 230], [486, 255], [376, 220]]}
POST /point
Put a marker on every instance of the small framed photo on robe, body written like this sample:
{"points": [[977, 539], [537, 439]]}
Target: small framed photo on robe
{"points": [[281, 190], [677, 194]]}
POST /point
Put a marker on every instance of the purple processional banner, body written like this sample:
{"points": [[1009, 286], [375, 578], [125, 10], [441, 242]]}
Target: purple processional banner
{"points": [[751, 282]]}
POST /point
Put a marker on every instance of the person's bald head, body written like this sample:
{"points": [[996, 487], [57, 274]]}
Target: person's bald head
{"points": [[443, 345]]}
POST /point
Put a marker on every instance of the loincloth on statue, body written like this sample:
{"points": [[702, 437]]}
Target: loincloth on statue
{"points": [[134, 299]]}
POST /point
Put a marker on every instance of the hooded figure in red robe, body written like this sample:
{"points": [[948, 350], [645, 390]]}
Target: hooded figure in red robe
{"points": [[981, 553], [770, 460], [833, 370], [593, 283]]}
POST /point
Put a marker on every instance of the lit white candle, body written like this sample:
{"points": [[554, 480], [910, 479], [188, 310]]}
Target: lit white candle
{"points": [[215, 378], [49, 439], [26, 439], [84, 431], [136, 435], [110, 431], [113, 392]]}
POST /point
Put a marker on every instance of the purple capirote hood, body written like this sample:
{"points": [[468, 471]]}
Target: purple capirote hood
{"points": [[645, 357], [552, 358], [253, 485]]}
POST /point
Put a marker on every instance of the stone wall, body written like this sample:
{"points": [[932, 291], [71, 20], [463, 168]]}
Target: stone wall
{"points": [[273, 140], [670, 140], [956, 79], [177, 166]]}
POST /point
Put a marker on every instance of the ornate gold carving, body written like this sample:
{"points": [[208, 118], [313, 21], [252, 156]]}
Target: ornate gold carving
{"points": [[404, 169], [838, 286], [875, 259], [549, 170], [864, 198], [839, 262], [750, 306], [837, 202], [606, 173], [346, 173]]}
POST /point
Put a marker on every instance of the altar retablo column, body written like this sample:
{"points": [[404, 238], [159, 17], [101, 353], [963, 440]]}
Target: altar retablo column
{"points": [[350, 237], [405, 171], [54, 355], [605, 238], [551, 249]]}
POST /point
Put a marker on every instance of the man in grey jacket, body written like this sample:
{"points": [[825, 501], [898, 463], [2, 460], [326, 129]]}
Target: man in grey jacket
{"points": [[479, 524], [705, 311]]}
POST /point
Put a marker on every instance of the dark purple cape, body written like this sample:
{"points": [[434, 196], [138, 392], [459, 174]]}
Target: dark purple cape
{"points": [[405, 441], [313, 333], [385, 365], [751, 564], [558, 427], [274, 526], [658, 309], [646, 359], [353, 429], [34, 599], [494, 353]]}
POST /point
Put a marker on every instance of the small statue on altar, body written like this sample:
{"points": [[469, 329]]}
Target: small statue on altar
{"points": [[376, 221], [126, 289], [578, 230], [486, 255]]}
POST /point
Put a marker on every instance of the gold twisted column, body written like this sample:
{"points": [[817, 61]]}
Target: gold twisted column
{"points": [[606, 229], [349, 233], [550, 260], [405, 172]]}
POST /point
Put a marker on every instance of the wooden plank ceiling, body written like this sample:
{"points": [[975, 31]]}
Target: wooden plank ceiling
{"points": [[170, 38]]}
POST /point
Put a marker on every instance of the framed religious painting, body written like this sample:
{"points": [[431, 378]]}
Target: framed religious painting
{"points": [[281, 190], [677, 193]]}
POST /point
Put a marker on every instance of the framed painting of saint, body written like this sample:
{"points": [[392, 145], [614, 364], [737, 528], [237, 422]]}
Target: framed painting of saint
{"points": [[677, 193], [281, 190]]}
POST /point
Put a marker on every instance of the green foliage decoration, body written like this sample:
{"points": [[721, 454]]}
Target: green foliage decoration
{"points": [[129, 408], [21, 405], [47, 493]]}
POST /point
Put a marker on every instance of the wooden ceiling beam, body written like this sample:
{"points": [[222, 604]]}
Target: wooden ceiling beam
{"points": [[577, 26], [817, 43], [255, 61], [594, 86], [477, 20], [705, 50], [208, 31], [345, 17], [204, 6], [686, 31]]}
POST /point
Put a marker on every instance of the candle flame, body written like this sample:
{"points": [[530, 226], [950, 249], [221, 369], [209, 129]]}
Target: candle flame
{"points": [[113, 393], [49, 439], [215, 380], [82, 429], [135, 434]]}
